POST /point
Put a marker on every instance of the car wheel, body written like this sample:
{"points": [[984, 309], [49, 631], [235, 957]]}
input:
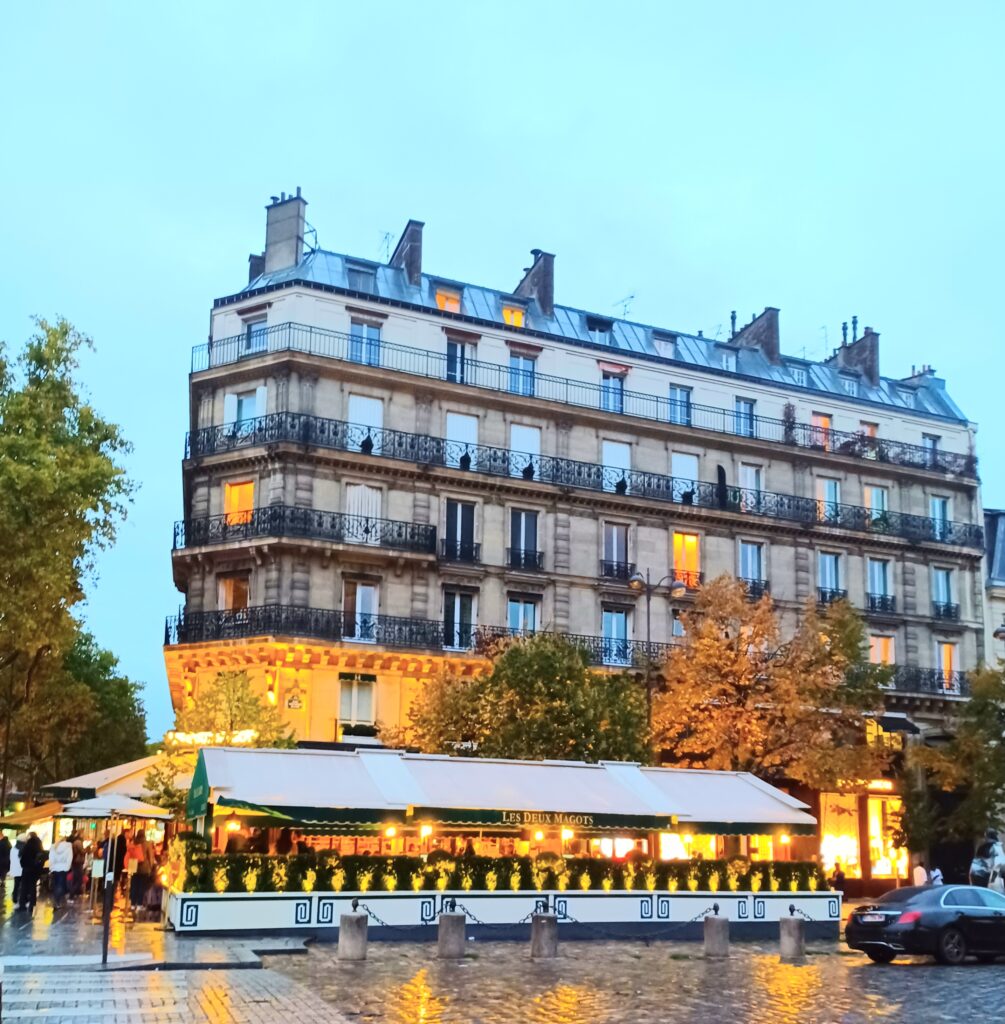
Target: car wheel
{"points": [[881, 956], [951, 947]]}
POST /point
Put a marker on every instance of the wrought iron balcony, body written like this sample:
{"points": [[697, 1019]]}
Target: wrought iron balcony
{"points": [[318, 432], [756, 589], [882, 603], [316, 524], [316, 341], [600, 650], [525, 559], [948, 611], [691, 579], [929, 682], [460, 551], [827, 595], [613, 570]]}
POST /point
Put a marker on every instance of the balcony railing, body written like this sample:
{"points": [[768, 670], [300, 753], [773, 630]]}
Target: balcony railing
{"points": [[948, 611], [315, 524], [828, 595], [525, 559], [930, 682], [882, 603], [689, 577], [614, 570], [600, 650], [315, 341], [318, 432], [756, 589], [460, 551]]}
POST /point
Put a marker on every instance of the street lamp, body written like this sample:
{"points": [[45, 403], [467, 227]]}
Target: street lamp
{"points": [[999, 633]]}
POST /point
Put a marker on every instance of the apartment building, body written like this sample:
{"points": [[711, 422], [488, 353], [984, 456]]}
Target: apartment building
{"points": [[385, 468]]}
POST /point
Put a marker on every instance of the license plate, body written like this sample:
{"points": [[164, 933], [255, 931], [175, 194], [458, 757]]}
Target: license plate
{"points": [[872, 918]]}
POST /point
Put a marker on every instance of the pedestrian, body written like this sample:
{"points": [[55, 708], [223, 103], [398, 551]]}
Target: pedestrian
{"points": [[284, 844], [936, 876], [141, 854], [837, 877], [15, 866], [920, 875], [60, 861], [4, 863], [76, 879], [32, 863]]}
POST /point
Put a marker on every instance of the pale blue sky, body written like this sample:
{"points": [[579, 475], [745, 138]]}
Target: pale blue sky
{"points": [[830, 160]]}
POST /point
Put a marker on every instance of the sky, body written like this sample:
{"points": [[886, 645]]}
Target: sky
{"points": [[830, 160]]}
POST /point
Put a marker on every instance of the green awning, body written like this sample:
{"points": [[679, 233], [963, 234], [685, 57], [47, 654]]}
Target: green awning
{"points": [[544, 819]]}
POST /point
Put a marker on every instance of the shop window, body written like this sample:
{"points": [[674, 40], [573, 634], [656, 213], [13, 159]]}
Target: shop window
{"points": [[839, 833], [448, 300], [238, 502], [513, 316], [886, 859]]}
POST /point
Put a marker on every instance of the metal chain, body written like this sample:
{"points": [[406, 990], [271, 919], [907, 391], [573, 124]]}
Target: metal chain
{"points": [[793, 910], [395, 927], [669, 930]]}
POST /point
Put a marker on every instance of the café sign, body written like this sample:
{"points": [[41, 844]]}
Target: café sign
{"points": [[556, 818]]}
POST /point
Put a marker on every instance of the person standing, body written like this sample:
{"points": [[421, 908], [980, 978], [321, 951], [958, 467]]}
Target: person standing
{"points": [[837, 877], [60, 861], [4, 863], [32, 862], [15, 867], [142, 856], [76, 880], [936, 876], [920, 875]]}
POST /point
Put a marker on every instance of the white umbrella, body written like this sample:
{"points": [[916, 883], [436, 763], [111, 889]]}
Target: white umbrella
{"points": [[114, 805]]}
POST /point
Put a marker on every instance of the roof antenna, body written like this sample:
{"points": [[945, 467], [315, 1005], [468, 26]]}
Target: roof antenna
{"points": [[310, 229], [625, 304], [827, 343], [385, 246]]}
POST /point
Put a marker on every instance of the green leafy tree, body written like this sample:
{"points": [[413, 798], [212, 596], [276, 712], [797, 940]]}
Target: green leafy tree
{"points": [[739, 697], [540, 700], [62, 492], [972, 764]]}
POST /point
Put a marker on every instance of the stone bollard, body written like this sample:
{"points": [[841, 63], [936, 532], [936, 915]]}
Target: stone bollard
{"points": [[792, 931], [543, 936], [450, 936], [716, 936], [352, 937]]}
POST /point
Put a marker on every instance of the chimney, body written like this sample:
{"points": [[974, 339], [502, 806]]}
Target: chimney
{"points": [[538, 281], [256, 266], [285, 219], [859, 354], [762, 333], [408, 252]]}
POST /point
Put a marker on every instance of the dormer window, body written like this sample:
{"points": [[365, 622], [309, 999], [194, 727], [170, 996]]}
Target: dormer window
{"points": [[798, 375], [448, 299], [513, 316], [849, 385], [729, 360], [599, 330], [361, 279], [906, 395]]}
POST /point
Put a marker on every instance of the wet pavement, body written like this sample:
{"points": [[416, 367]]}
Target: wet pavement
{"points": [[664, 983]]}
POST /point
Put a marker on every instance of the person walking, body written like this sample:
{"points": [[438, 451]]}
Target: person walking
{"points": [[937, 876], [15, 867], [4, 863], [141, 853], [837, 877], [76, 879], [32, 863], [920, 874], [60, 861]]}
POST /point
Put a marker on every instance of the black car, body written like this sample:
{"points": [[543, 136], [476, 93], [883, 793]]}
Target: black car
{"points": [[949, 922]]}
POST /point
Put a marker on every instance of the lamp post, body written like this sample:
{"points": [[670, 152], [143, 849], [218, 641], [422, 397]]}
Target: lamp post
{"points": [[643, 584]]}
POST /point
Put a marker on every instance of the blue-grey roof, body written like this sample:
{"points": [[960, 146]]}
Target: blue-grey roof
{"points": [[925, 395], [994, 538]]}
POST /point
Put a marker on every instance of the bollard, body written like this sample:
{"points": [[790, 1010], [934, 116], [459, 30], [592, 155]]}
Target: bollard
{"points": [[793, 938], [352, 937], [450, 936], [543, 936], [716, 936]]}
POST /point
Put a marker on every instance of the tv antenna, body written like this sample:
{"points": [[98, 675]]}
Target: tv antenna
{"points": [[385, 245], [625, 304]]}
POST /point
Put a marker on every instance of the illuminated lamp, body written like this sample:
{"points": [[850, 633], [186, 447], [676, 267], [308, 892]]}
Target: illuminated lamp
{"points": [[678, 589], [425, 831], [567, 834], [785, 839], [390, 831], [881, 785], [999, 633], [539, 835], [233, 825]]}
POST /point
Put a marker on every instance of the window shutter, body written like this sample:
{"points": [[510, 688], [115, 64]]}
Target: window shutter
{"points": [[261, 399], [230, 408], [467, 537]]}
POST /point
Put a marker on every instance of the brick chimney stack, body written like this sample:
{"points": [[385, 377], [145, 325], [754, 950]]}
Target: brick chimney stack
{"points": [[761, 332], [285, 220], [408, 252], [539, 281]]}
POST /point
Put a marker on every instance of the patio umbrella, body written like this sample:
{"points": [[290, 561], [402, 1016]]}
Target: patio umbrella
{"points": [[113, 805]]}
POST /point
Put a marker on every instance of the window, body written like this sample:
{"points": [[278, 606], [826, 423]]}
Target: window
{"points": [[879, 577], [829, 574], [233, 592], [729, 361], [744, 417], [364, 343], [459, 544], [751, 560], [523, 552], [946, 663], [359, 611], [876, 501], [687, 558], [363, 503], [521, 374], [599, 330], [906, 395], [868, 429], [828, 499], [849, 385], [616, 458], [356, 699], [458, 619], [676, 623], [938, 510], [942, 591], [238, 502], [881, 649], [513, 315], [614, 628], [680, 405], [612, 392], [366, 415], [246, 406], [798, 375], [361, 279], [821, 430], [521, 614], [459, 354], [462, 439], [448, 300], [614, 564], [930, 442], [256, 336], [964, 897], [750, 487], [525, 448], [684, 467]]}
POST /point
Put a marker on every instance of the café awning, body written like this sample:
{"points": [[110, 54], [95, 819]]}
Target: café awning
{"points": [[114, 805], [337, 788]]}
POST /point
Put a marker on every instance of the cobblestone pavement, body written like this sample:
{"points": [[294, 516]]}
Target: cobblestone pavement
{"points": [[664, 983], [161, 997]]}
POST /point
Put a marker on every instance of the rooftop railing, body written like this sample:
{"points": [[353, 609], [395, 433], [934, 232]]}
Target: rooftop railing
{"points": [[315, 431], [314, 524], [317, 341]]}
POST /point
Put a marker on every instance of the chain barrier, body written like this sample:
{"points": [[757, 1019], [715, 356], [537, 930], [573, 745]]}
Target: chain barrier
{"points": [[672, 929], [793, 910], [357, 905]]}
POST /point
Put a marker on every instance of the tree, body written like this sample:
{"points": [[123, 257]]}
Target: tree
{"points": [[739, 698], [539, 700], [972, 764], [62, 492]]}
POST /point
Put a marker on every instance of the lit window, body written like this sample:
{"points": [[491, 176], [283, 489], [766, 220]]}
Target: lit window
{"points": [[513, 315], [233, 591], [884, 816], [881, 649], [822, 424], [447, 300], [945, 654], [687, 557], [356, 699], [868, 429], [238, 502]]}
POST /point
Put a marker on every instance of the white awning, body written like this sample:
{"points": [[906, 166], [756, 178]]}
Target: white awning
{"points": [[113, 805]]}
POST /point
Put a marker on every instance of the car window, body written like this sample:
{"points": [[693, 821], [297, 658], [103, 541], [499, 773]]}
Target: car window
{"points": [[991, 899], [902, 895], [963, 897]]}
